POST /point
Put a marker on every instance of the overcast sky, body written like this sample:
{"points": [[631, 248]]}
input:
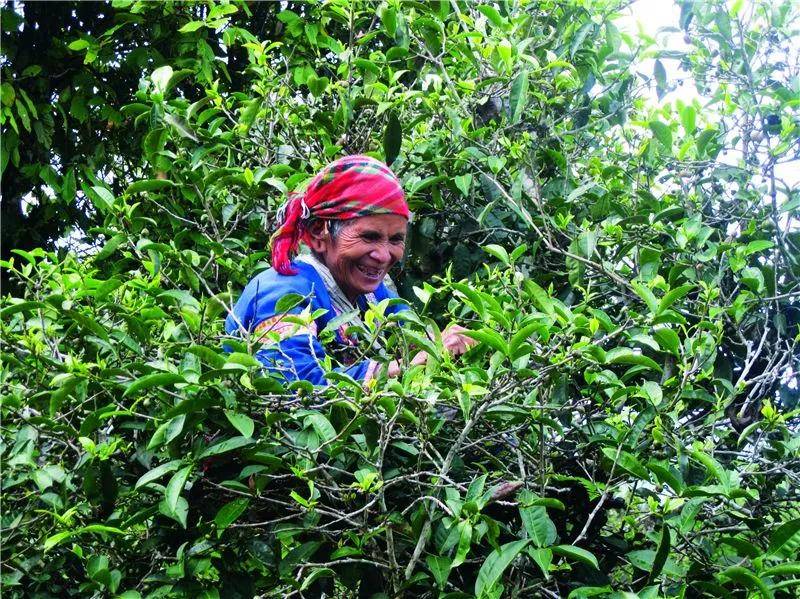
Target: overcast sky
{"points": [[649, 16]]}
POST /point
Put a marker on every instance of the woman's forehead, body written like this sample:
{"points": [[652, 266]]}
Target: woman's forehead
{"points": [[384, 223]]}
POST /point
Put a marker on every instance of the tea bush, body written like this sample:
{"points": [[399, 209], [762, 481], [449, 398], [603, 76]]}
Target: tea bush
{"points": [[626, 425]]}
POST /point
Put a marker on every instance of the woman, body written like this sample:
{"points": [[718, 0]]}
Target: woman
{"points": [[353, 217]]}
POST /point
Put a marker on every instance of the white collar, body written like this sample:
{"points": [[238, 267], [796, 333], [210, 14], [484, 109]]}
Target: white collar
{"points": [[339, 300]]}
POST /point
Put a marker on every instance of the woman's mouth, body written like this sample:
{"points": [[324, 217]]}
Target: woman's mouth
{"points": [[375, 274]]}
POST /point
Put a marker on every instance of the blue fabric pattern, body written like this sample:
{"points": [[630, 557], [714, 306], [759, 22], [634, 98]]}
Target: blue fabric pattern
{"points": [[297, 357]]}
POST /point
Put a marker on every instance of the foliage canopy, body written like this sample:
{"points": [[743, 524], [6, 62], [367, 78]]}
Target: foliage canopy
{"points": [[627, 425]]}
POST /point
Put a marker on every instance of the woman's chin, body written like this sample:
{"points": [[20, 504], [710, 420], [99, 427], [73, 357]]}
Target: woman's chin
{"points": [[365, 283], [368, 287]]}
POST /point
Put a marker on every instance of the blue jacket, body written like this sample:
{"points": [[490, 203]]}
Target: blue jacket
{"points": [[296, 357]]}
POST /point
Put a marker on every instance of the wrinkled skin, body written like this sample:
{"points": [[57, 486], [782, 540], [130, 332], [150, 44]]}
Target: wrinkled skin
{"points": [[363, 251], [359, 258]]}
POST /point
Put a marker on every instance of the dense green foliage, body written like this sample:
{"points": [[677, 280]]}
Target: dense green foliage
{"points": [[627, 425]]}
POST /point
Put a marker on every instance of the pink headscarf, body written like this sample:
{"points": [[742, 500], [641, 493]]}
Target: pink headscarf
{"points": [[350, 187]]}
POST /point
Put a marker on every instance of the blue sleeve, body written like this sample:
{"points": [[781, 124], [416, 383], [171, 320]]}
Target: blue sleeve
{"points": [[294, 358], [260, 297], [298, 358]]}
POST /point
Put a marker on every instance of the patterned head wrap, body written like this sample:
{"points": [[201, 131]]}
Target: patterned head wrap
{"points": [[350, 187]]}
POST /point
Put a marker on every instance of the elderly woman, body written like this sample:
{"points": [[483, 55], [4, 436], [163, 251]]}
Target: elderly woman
{"points": [[353, 217]]}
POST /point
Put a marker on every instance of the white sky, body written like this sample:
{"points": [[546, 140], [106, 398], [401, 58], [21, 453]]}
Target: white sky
{"points": [[649, 17]]}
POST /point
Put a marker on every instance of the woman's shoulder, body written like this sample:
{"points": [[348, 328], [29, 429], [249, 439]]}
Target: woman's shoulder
{"points": [[261, 296], [270, 279]]}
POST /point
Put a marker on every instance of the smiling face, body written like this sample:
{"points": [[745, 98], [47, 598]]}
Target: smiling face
{"points": [[363, 251]]}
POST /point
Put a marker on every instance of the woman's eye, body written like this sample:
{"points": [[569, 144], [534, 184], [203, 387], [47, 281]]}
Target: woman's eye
{"points": [[370, 237]]}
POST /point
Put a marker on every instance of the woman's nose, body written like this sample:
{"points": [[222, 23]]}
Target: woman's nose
{"points": [[380, 253]]}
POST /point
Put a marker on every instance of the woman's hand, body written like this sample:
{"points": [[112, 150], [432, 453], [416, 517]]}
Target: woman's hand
{"points": [[454, 340]]}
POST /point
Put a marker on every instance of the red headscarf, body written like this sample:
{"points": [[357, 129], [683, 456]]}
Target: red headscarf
{"points": [[350, 187]]}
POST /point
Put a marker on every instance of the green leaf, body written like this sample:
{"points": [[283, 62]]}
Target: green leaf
{"points": [[191, 26], [668, 340], [647, 295], [787, 569], [660, 75], [748, 579], [158, 379], [785, 541], [661, 554], [490, 12], [287, 302], [79, 44], [464, 542], [175, 487], [495, 564], [160, 78], [241, 422], [653, 392], [576, 553], [662, 133], [179, 514], [753, 277], [519, 95], [521, 336], [224, 446], [626, 461], [9, 311], [538, 525], [317, 85], [545, 502], [585, 592], [22, 114], [713, 467], [103, 198], [157, 473], [587, 243], [759, 245], [742, 547], [148, 185], [392, 138], [7, 94], [68, 187], [88, 323], [208, 355], [180, 126], [543, 558], [248, 114], [110, 246], [316, 574], [463, 183], [490, 338], [367, 66], [167, 431], [540, 297], [474, 298], [321, 425], [790, 204], [229, 512], [688, 119], [644, 559], [57, 538], [440, 568], [498, 252], [673, 296], [625, 355], [389, 18]]}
